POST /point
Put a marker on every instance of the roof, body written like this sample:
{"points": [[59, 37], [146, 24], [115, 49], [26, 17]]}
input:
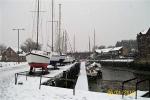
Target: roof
{"points": [[16, 50], [103, 50], [108, 49], [116, 48], [145, 31]]}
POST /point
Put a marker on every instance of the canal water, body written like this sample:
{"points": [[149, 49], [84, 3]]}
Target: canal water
{"points": [[112, 77]]}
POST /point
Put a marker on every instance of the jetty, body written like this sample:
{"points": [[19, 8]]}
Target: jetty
{"points": [[82, 82]]}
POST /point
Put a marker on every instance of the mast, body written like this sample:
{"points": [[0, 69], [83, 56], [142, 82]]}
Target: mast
{"points": [[59, 26], [94, 39], [52, 24], [74, 44], [38, 15], [89, 45], [63, 40]]}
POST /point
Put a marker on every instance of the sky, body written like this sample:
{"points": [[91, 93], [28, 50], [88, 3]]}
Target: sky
{"points": [[113, 20]]}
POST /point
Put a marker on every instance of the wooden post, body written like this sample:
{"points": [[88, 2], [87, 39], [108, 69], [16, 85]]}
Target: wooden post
{"points": [[16, 76], [26, 75], [149, 88], [74, 88], [136, 91], [122, 90], [40, 82]]}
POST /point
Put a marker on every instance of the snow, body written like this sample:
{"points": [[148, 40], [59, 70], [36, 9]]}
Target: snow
{"points": [[108, 50], [82, 82], [118, 60], [29, 90], [145, 31], [4, 66], [103, 50], [57, 73]]}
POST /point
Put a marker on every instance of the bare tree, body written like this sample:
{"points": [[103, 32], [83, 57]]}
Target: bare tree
{"points": [[102, 47], [30, 45], [2, 48], [110, 46]]}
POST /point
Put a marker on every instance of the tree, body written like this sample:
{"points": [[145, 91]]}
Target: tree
{"points": [[102, 47], [30, 45], [2, 48], [130, 44], [110, 46]]}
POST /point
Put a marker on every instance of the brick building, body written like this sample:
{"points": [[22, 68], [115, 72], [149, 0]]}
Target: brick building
{"points": [[11, 55], [143, 41]]}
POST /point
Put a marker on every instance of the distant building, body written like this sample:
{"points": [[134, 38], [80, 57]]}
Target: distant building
{"points": [[11, 55], [143, 40], [80, 55], [108, 53]]}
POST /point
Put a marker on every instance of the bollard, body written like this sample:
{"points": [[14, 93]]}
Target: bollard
{"points": [[16, 75], [26, 75], [74, 91]]}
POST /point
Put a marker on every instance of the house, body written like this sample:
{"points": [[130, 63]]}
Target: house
{"points": [[108, 53], [143, 41], [12, 54]]}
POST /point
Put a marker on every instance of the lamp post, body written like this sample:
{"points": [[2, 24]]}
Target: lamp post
{"points": [[18, 29]]}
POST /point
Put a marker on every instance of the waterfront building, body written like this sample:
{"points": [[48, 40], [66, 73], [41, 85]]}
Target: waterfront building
{"points": [[143, 40]]}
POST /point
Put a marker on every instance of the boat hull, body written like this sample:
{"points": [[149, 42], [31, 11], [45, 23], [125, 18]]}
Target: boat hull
{"points": [[37, 61]]}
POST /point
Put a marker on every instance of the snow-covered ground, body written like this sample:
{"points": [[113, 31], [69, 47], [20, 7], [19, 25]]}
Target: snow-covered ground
{"points": [[4, 66], [82, 82], [29, 89], [118, 60]]}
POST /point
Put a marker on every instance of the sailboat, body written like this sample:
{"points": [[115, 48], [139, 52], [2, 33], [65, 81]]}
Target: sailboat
{"points": [[56, 57], [37, 58]]}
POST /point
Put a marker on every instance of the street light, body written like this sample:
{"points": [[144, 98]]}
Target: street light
{"points": [[18, 29]]}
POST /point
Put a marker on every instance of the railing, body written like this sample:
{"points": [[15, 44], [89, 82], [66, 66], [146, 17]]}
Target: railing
{"points": [[136, 87], [138, 82], [54, 78], [124, 83], [25, 73]]}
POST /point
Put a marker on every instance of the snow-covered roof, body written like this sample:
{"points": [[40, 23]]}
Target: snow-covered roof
{"points": [[16, 49], [20, 50], [116, 48], [145, 31], [103, 50], [108, 49]]}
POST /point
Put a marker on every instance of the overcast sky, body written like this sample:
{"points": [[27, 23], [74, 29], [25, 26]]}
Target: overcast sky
{"points": [[113, 20]]}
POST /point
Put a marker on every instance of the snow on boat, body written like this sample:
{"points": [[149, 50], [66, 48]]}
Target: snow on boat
{"points": [[94, 70]]}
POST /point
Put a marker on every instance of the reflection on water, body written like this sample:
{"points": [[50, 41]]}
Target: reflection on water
{"points": [[112, 80], [116, 74]]}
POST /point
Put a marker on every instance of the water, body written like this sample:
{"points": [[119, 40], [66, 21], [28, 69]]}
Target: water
{"points": [[112, 78]]}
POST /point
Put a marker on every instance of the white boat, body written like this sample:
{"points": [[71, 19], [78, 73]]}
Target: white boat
{"points": [[69, 59], [38, 59], [56, 57]]}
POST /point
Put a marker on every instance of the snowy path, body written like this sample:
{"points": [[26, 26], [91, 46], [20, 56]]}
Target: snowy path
{"points": [[82, 82]]}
